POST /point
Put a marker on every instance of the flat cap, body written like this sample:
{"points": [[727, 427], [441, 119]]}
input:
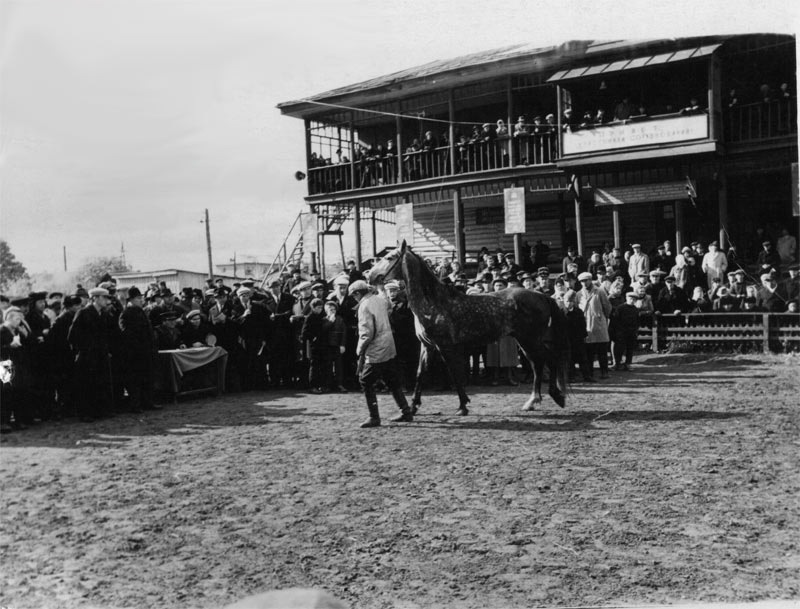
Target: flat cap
{"points": [[584, 276], [98, 292]]}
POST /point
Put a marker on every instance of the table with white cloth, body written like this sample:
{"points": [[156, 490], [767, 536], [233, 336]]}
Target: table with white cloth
{"points": [[194, 370]]}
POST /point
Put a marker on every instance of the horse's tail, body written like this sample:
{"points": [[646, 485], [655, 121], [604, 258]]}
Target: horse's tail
{"points": [[560, 346]]}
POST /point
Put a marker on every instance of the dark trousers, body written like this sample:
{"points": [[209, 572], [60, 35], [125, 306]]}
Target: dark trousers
{"points": [[597, 351], [624, 345], [334, 370], [578, 354], [140, 380], [318, 368], [371, 373], [93, 385]]}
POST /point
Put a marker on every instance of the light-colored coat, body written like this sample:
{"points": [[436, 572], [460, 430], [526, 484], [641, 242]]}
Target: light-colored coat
{"points": [[597, 309], [638, 263], [375, 340]]}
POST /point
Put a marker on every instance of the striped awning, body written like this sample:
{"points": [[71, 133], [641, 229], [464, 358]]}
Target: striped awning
{"points": [[632, 64]]}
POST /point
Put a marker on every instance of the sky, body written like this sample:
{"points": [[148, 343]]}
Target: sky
{"points": [[121, 122]]}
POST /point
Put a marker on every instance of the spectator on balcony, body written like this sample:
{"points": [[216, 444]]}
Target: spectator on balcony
{"points": [[714, 264], [622, 111], [411, 160], [768, 260], [784, 92], [572, 257], [600, 117], [693, 107], [638, 262], [569, 121], [521, 127], [587, 121], [501, 130], [641, 112], [765, 93], [733, 99], [787, 248]]}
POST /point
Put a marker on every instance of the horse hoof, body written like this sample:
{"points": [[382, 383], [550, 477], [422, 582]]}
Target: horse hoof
{"points": [[414, 410], [560, 400], [463, 412], [528, 406]]}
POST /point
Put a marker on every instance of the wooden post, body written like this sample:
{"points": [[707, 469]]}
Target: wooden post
{"points": [[722, 200], [352, 127], [510, 125], [458, 217], [654, 338], [679, 225], [765, 330], [518, 248], [308, 156], [617, 227], [374, 236], [398, 126], [208, 247], [451, 132], [579, 223], [357, 225]]}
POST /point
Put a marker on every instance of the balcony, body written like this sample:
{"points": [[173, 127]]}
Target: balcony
{"points": [[463, 158], [760, 122]]}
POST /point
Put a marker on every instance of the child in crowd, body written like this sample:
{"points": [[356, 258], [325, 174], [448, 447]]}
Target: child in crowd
{"points": [[576, 328], [624, 329]]}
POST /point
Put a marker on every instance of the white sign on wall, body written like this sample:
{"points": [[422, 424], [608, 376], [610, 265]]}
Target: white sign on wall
{"points": [[637, 133], [309, 226], [514, 199]]}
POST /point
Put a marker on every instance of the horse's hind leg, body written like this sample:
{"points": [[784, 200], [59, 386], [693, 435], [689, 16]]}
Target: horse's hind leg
{"points": [[422, 367], [455, 362], [537, 365], [556, 371]]}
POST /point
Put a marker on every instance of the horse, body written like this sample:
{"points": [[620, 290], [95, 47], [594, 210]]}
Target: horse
{"points": [[449, 321]]}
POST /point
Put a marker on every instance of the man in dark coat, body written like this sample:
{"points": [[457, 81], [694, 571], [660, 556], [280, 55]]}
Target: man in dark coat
{"points": [[62, 358], [405, 337], [253, 318], [671, 298], [41, 388], [88, 337], [280, 305], [348, 310], [138, 352]]}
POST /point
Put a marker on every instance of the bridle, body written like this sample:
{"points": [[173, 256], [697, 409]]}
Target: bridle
{"points": [[394, 264]]}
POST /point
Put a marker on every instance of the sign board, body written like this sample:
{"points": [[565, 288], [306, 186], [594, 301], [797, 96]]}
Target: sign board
{"points": [[795, 189], [643, 193], [637, 133], [515, 210], [309, 226], [404, 223]]}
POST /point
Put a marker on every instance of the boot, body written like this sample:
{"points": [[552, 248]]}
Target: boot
{"points": [[374, 417], [404, 417]]}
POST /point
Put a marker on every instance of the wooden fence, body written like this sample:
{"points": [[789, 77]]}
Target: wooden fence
{"points": [[764, 331]]}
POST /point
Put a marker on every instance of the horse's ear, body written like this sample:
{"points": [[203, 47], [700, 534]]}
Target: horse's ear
{"points": [[403, 247]]}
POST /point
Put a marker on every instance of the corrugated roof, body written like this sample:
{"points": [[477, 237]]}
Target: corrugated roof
{"points": [[541, 59]]}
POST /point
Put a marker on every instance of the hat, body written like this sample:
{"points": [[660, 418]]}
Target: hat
{"points": [[194, 313], [738, 272], [602, 269], [657, 273], [243, 291], [71, 301], [359, 285], [317, 302], [486, 278], [34, 296], [9, 311], [686, 249], [133, 292], [318, 286], [694, 243], [766, 243], [56, 295], [500, 280], [669, 278], [584, 276], [220, 293], [661, 247], [82, 293], [108, 285], [543, 270], [632, 295], [248, 283], [714, 243], [766, 276], [186, 291], [273, 282], [509, 255], [197, 292], [572, 265], [341, 280], [473, 291], [98, 292], [391, 285], [165, 292], [485, 125], [642, 274], [523, 276], [333, 302], [303, 285], [168, 315], [639, 245]]}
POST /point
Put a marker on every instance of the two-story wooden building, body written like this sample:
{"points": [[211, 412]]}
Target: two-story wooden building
{"points": [[612, 141]]}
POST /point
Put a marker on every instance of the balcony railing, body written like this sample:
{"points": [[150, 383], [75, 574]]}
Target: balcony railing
{"points": [[761, 121], [415, 165]]}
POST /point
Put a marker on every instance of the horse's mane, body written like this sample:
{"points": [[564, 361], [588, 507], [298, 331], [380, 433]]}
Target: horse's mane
{"points": [[430, 286]]}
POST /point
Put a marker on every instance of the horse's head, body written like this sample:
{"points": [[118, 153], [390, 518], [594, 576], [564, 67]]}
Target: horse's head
{"points": [[390, 267]]}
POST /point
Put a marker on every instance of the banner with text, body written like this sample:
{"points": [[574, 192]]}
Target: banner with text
{"points": [[637, 133], [515, 210], [404, 223], [643, 193]]}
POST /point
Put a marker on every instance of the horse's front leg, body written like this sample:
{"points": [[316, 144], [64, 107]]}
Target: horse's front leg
{"points": [[455, 362], [422, 368]]}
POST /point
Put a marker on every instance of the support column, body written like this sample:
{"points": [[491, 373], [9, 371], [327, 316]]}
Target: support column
{"points": [[617, 227], [398, 127], [352, 128], [357, 225], [451, 132], [679, 226], [308, 156], [458, 218], [374, 236], [722, 199], [510, 125], [578, 218], [518, 248]]}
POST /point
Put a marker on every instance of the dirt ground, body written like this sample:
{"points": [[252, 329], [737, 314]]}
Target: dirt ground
{"points": [[676, 481]]}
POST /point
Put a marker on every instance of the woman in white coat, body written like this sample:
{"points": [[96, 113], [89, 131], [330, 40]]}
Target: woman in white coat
{"points": [[594, 303]]}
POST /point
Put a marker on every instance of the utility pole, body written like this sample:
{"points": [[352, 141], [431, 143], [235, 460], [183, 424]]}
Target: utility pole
{"points": [[234, 263], [122, 253], [65, 258], [208, 247]]}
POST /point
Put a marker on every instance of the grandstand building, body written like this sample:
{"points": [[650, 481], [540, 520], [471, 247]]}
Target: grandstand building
{"points": [[611, 141]]}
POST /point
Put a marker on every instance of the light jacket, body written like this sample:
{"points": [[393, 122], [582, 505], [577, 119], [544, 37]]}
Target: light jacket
{"points": [[375, 340]]}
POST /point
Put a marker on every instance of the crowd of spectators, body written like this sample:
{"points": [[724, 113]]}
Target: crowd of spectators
{"points": [[92, 353]]}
